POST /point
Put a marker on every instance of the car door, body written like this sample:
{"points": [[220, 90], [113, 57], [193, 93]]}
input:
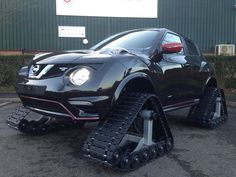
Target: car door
{"points": [[196, 62], [172, 69]]}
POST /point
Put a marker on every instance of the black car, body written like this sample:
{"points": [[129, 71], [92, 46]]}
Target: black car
{"points": [[127, 82]]}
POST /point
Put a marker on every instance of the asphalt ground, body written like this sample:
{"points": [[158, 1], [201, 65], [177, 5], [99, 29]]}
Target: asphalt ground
{"points": [[197, 153]]}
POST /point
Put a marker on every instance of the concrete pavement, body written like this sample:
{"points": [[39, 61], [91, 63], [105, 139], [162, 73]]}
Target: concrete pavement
{"points": [[197, 152]]}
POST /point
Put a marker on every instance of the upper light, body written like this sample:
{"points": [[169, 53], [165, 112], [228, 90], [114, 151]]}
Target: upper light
{"points": [[79, 76]]}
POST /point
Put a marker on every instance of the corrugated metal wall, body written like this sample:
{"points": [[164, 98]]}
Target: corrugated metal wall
{"points": [[33, 24]]}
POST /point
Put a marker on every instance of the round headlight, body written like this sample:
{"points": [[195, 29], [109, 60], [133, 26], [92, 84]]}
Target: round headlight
{"points": [[79, 76]]}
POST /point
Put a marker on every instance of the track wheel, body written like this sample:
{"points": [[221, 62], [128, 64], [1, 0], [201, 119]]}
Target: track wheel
{"points": [[44, 129], [23, 125], [152, 152], [144, 155], [125, 162], [160, 149], [168, 145], [135, 160], [117, 156], [55, 126], [33, 127]]}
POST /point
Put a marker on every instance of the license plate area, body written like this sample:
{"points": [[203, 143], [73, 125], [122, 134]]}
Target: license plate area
{"points": [[30, 89]]}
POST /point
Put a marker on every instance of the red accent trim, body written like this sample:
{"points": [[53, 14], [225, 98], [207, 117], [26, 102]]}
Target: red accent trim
{"points": [[67, 110]]}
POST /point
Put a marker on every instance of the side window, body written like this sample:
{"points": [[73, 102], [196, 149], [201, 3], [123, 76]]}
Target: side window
{"points": [[192, 49], [169, 38]]}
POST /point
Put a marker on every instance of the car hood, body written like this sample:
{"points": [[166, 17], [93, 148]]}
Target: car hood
{"points": [[88, 56]]}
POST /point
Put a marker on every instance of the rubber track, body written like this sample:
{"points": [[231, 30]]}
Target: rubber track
{"points": [[202, 114], [15, 117], [104, 141], [38, 127]]}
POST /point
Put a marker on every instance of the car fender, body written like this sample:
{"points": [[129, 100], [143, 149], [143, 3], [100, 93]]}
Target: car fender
{"points": [[127, 79]]}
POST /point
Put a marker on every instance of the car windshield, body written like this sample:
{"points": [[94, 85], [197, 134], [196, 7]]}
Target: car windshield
{"points": [[133, 40]]}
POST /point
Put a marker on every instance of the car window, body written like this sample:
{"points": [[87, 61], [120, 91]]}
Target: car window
{"points": [[170, 38], [192, 49]]}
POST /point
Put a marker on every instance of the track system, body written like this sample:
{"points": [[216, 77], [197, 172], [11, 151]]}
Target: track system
{"points": [[211, 110], [135, 133], [40, 125]]}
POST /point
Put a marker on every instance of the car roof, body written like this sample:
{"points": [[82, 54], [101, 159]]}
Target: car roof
{"points": [[162, 30]]}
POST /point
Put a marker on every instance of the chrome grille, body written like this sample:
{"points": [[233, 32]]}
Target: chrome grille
{"points": [[46, 71]]}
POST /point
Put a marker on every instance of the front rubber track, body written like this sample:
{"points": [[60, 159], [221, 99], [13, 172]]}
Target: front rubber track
{"points": [[103, 146]]}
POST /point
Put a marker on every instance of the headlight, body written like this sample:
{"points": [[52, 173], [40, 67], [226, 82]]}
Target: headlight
{"points": [[79, 76]]}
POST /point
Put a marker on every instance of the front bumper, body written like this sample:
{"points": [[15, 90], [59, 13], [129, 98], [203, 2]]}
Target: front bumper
{"points": [[74, 104], [78, 110], [56, 96]]}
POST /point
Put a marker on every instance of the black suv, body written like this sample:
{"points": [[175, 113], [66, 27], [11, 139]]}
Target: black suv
{"points": [[127, 82]]}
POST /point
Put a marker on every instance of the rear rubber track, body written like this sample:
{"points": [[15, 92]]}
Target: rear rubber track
{"points": [[103, 144], [204, 114]]}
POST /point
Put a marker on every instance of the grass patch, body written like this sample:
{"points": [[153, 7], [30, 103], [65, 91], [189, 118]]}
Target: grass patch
{"points": [[7, 89]]}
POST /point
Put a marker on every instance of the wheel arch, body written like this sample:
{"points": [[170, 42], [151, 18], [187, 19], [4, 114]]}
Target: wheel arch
{"points": [[141, 81], [212, 82]]}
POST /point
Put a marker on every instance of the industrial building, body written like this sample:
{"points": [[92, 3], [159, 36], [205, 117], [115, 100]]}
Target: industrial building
{"points": [[79, 24]]}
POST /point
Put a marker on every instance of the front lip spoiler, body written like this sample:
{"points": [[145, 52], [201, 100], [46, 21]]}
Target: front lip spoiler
{"points": [[70, 114]]}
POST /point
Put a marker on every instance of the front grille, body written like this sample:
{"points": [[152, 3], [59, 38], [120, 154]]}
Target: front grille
{"points": [[52, 71], [57, 71]]}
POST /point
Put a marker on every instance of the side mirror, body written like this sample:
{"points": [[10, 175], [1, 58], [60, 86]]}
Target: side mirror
{"points": [[172, 48]]}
